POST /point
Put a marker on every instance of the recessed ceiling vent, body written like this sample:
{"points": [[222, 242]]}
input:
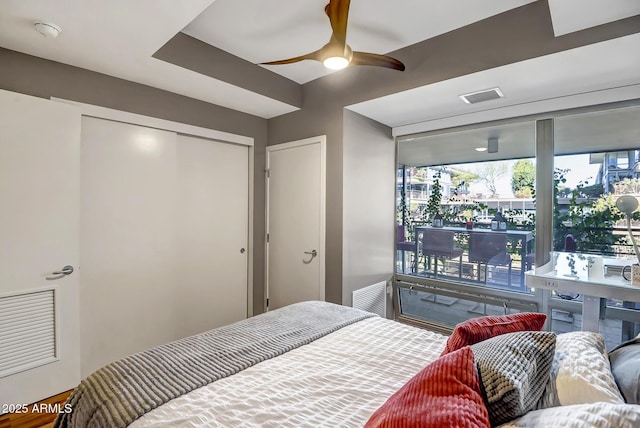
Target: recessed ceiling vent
{"points": [[481, 96]]}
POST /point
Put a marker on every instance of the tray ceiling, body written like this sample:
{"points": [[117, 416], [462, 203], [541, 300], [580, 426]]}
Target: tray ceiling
{"points": [[120, 37]]}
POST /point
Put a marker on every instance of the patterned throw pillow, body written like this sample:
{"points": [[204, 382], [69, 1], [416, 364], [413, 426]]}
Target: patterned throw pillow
{"points": [[514, 369], [446, 393], [580, 372], [478, 329]]}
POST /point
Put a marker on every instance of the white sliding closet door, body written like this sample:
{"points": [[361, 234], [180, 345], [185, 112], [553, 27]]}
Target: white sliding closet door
{"points": [[155, 251], [211, 233], [127, 193]]}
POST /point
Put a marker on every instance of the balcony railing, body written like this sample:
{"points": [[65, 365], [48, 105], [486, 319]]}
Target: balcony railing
{"points": [[468, 272]]}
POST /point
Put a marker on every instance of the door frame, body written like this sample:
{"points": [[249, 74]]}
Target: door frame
{"points": [[322, 140], [195, 131]]}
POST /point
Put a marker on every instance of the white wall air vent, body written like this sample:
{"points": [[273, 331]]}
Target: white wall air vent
{"points": [[27, 331], [372, 298], [481, 96]]}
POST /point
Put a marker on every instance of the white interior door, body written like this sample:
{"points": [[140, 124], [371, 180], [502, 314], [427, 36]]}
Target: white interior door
{"points": [[39, 172], [163, 222], [295, 221]]}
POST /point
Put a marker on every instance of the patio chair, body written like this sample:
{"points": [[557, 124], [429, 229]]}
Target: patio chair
{"points": [[489, 249], [403, 246], [529, 261], [439, 243], [569, 243]]}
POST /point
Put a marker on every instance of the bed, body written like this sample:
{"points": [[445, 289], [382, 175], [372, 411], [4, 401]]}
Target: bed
{"points": [[317, 364]]}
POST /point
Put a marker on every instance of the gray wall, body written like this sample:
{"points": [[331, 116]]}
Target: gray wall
{"points": [[482, 45], [45, 79], [368, 203], [320, 118]]}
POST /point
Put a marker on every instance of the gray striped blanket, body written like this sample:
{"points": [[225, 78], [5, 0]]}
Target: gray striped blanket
{"points": [[119, 393]]}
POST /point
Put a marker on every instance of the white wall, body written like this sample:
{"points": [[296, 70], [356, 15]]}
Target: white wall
{"points": [[368, 203]]}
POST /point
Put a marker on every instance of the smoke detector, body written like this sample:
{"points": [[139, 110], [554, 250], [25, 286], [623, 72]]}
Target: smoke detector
{"points": [[47, 29]]}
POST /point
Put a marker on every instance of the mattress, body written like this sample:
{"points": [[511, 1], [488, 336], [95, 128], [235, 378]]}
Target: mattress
{"points": [[338, 380], [315, 364]]}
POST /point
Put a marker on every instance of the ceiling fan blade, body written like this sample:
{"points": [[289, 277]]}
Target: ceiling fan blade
{"points": [[365, 58], [313, 55], [338, 13]]}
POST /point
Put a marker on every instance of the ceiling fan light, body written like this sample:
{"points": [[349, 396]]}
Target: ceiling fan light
{"points": [[336, 62]]}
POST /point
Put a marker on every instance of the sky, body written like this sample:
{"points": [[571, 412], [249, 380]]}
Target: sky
{"points": [[580, 169]]}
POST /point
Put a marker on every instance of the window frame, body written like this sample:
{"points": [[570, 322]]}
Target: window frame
{"points": [[540, 300]]}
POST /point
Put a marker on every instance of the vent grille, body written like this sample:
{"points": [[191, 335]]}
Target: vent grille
{"points": [[481, 96], [372, 299], [27, 331]]}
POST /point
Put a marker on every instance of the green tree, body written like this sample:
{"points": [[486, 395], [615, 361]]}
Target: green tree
{"points": [[403, 213], [461, 177], [435, 199], [589, 218], [489, 174], [523, 178], [627, 185], [593, 191]]}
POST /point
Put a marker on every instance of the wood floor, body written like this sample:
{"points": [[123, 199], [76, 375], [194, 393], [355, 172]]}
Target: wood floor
{"points": [[34, 419]]}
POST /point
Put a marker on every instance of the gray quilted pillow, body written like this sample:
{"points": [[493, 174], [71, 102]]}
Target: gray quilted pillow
{"points": [[514, 369], [625, 365]]}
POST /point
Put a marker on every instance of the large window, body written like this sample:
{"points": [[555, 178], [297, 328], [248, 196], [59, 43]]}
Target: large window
{"points": [[452, 185], [595, 162], [461, 201]]}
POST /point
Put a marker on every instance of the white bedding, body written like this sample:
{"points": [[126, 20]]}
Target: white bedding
{"points": [[336, 381], [592, 415]]}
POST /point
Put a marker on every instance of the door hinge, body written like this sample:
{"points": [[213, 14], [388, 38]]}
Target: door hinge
{"points": [[268, 172], [267, 237], [267, 303]]}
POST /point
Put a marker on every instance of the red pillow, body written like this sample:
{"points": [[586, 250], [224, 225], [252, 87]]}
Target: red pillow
{"points": [[478, 329], [446, 393]]}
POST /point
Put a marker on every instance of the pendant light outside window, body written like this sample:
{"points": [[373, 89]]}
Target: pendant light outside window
{"points": [[499, 223], [437, 220]]}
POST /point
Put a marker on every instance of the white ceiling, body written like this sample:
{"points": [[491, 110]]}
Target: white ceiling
{"points": [[591, 13], [573, 133], [118, 38], [514, 141], [269, 30], [614, 63]]}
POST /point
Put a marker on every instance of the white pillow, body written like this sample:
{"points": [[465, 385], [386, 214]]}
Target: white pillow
{"points": [[593, 415], [580, 372]]}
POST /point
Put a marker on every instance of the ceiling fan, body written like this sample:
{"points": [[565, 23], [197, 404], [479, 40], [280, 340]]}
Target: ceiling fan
{"points": [[337, 54]]}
